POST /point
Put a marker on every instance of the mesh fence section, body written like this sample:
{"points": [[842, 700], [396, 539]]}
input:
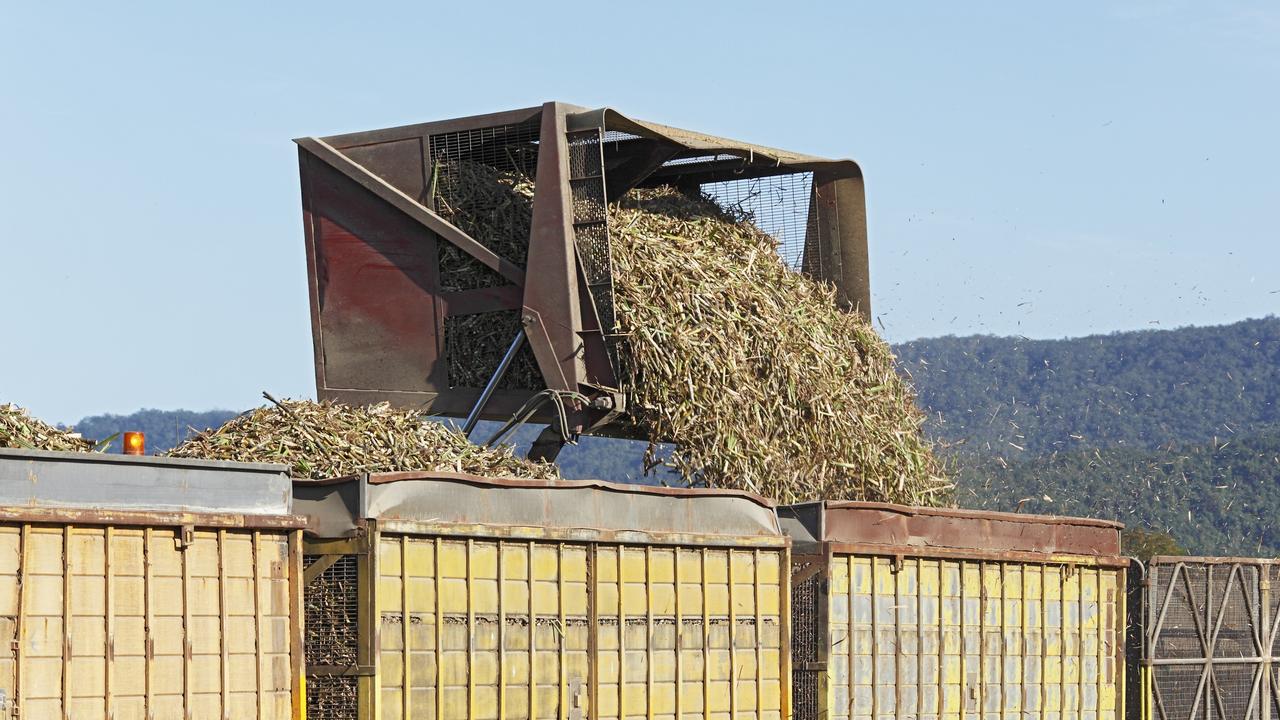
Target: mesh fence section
{"points": [[779, 205], [1235, 593], [330, 606], [1210, 639], [806, 634], [1234, 685], [1176, 688], [332, 697]]}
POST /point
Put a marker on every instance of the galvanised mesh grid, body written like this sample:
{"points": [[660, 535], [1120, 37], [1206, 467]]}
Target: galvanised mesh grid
{"points": [[1199, 609], [781, 206], [805, 639], [332, 697], [512, 148], [330, 612]]}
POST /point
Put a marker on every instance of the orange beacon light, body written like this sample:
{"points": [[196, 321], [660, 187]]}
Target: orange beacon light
{"points": [[135, 443]]}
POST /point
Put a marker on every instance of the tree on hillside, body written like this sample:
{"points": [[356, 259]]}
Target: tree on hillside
{"points": [[1145, 544]]}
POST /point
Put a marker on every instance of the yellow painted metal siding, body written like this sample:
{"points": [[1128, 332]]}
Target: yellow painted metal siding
{"points": [[487, 629], [973, 640], [134, 623]]}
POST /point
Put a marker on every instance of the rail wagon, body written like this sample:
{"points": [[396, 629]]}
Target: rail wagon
{"points": [[147, 588], [942, 614], [451, 596]]}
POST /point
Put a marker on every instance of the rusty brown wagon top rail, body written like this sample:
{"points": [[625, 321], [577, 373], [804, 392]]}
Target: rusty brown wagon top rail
{"points": [[574, 510], [883, 528]]}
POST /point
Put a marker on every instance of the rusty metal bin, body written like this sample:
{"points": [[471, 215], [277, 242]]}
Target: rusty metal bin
{"points": [[941, 614], [141, 587], [452, 596], [408, 308]]}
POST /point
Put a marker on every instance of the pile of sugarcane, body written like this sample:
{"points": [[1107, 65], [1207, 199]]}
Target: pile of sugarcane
{"points": [[755, 373], [325, 440], [19, 430]]}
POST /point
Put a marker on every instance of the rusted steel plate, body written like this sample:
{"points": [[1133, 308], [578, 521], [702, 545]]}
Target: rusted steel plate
{"points": [[978, 533]]}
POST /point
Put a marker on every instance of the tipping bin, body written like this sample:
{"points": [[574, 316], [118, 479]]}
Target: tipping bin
{"points": [[452, 596], [942, 614], [143, 587], [408, 308]]}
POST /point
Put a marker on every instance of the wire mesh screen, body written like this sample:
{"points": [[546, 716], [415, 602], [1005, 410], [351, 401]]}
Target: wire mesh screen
{"points": [[330, 610], [781, 205], [512, 148], [806, 639], [591, 227], [332, 697], [474, 173], [1208, 639], [331, 602]]}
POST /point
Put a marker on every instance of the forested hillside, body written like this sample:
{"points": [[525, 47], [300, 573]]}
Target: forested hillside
{"points": [[164, 428], [1016, 397], [1215, 498]]}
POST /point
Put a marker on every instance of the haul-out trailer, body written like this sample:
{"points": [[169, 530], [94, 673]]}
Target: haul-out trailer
{"points": [[406, 307]]}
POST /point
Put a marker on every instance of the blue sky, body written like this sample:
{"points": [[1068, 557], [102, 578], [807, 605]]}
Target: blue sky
{"points": [[1039, 170]]}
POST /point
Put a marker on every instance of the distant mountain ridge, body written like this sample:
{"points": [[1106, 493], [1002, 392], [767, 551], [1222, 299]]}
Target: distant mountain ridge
{"points": [[1215, 498], [1021, 398], [164, 428]]}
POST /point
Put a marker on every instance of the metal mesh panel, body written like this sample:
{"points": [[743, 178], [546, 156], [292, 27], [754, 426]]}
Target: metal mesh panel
{"points": [[1271, 636], [780, 205], [584, 155], [1176, 689], [806, 639], [1202, 608], [1182, 626], [505, 148], [330, 604], [330, 610], [591, 226], [588, 200], [332, 697], [1236, 594], [593, 248], [676, 162], [1234, 685]]}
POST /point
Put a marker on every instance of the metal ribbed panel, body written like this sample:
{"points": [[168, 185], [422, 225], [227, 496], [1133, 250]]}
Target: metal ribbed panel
{"points": [[969, 639], [571, 631]]}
